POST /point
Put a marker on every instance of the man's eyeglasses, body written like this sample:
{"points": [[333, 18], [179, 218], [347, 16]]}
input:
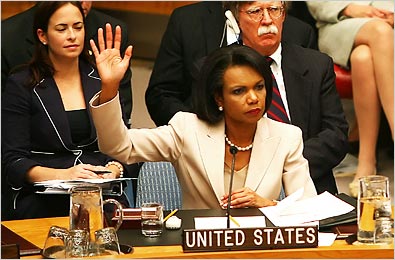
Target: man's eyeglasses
{"points": [[257, 14]]}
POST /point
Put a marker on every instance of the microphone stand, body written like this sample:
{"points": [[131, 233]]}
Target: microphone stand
{"points": [[233, 150]]}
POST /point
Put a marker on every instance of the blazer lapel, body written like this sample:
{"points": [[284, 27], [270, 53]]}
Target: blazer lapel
{"points": [[298, 87], [51, 100], [213, 25], [260, 157], [210, 142], [91, 85]]}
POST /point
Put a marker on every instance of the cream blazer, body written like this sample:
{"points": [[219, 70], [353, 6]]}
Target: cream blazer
{"points": [[197, 151]]}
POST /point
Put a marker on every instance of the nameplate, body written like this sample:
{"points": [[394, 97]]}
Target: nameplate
{"points": [[249, 238]]}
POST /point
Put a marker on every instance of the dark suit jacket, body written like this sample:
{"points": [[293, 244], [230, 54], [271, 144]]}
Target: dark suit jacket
{"points": [[196, 30], [36, 131], [315, 107], [17, 45]]}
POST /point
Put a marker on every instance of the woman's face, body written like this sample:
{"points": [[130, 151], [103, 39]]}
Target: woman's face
{"points": [[243, 95], [66, 33]]}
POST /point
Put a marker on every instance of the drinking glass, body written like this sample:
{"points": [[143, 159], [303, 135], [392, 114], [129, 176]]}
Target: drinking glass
{"points": [[77, 243], [151, 219], [54, 246], [375, 224], [107, 243]]}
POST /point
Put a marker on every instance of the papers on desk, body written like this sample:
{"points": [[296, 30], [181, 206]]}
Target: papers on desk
{"points": [[66, 184], [220, 222], [109, 186], [293, 212]]}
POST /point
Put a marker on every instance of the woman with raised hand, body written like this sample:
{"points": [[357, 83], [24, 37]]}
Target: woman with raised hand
{"points": [[231, 97]]}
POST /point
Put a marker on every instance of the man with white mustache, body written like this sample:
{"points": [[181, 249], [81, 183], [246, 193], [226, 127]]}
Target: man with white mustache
{"points": [[267, 29], [305, 77], [306, 82]]}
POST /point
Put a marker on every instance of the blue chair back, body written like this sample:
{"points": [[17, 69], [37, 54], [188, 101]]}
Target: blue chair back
{"points": [[157, 182]]}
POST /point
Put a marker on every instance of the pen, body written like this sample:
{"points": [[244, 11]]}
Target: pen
{"points": [[171, 214], [102, 172], [234, 221]]}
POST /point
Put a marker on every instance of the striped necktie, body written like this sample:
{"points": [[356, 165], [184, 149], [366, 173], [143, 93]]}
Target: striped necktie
{"points": [[276, 110]]}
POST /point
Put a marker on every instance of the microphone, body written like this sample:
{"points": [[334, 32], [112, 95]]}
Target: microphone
{"points": [[233, 150]]}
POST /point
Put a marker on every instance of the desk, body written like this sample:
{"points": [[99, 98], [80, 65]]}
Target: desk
{"points": [[35, 231]]}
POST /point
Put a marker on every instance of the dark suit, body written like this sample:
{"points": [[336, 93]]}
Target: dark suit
{"points": [[17, 45], [36, 132], [315, 107], [196, 30]]}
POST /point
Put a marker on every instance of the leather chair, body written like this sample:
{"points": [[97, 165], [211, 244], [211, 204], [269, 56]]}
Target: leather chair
{"points": [[343, 82]]}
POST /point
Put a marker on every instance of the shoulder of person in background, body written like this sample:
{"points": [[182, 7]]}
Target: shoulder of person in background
{"points": [[17, 43], [299, 32]]}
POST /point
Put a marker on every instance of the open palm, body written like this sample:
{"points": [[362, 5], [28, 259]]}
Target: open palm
{"points": [[110, 64]]}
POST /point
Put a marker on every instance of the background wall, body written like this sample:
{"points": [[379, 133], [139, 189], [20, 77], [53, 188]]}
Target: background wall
{"points": [[145, 31]]}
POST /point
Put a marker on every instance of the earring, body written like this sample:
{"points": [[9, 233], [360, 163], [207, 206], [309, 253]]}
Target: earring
{"points": [[220, 108], [45, 43]]}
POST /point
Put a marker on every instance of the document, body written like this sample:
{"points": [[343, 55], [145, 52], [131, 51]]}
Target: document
{"points": [[220, 222], [109, 186], [292, 212], [65, 184]]}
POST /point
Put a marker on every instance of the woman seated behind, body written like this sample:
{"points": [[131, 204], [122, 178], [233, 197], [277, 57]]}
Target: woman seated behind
{"points": [[232, 96], [47, 130]]}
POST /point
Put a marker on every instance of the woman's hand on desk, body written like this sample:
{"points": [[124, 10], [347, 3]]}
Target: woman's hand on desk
{"points": [[246, 198], [80, 171], [85, 171]]}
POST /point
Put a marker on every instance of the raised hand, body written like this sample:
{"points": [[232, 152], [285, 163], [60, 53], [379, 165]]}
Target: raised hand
{"points": [[110, 65]]}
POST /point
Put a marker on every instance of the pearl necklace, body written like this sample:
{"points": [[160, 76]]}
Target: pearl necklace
{"points": [[242, 149]]}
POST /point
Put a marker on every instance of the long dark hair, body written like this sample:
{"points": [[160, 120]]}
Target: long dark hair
{"points": [[210, 81], [40, 64]]}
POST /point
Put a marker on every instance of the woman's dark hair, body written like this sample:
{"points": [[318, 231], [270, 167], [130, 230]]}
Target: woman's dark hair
{"points": [[40, 64], [210, 81]]}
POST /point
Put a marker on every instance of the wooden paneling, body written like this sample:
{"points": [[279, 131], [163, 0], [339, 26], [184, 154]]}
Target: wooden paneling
{"points": [[152, 7], [10, 8]]}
